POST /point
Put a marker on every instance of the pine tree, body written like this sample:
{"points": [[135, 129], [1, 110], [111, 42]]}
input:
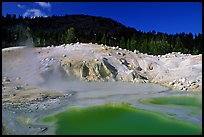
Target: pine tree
{"points": [[133, 43], [128, 44], [122, 43], [110, 42], [70, 35], [104, 39], [178, 44]]}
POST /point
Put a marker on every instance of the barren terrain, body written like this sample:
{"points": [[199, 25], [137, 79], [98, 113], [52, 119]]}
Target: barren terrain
{"points": [[40, 81]]}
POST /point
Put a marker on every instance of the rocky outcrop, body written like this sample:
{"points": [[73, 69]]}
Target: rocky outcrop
{"points": [[93, 62], [184, 84], [96, 70], [111, 68], [92, 70]]}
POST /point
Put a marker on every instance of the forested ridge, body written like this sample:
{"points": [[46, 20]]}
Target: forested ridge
{"points": [[56, 30]]}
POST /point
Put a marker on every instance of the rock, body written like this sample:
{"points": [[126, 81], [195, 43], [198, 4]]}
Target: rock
{"points": [[39, 98], [150, 66], [17, 87], [6, 79], [53, 97], [185, 88], [96, 60], [124, 62], [198, 80], [175, 81], [104, 59], [181, 88], [44, 129], [191, 82], [84, 71], [171, 83], [139, 68], [136, 52], [18, 78], [188, 85], [44, 96], [130, 66], [118, 53], [194, 86], [47, 59], [36, 108], [182, 80], [136, 76]]}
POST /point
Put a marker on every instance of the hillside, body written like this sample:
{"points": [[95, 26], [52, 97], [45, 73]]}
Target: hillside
{"points": [[57, 30], [105, 64]]}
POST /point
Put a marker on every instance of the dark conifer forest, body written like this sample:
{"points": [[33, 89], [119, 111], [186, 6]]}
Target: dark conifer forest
{"points": [[56, 30]]}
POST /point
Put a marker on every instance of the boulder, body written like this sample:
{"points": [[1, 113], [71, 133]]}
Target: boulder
{"points": [[84, 71], [6, 79], [194, 86], [182, 80], [171, 83]]}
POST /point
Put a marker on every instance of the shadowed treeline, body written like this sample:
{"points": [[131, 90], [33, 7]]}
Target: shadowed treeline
{"points": [[56, 30]]}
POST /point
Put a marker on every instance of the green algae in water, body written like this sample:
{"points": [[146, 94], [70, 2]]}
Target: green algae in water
{"points": [[193, 101], [117, 119]]}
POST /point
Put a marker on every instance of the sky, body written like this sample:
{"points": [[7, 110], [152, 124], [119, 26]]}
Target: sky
{"points": [[166, 17]]}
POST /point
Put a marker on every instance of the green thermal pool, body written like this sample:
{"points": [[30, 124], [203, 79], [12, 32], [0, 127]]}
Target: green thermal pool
{"points": [[117, 119], [192, 101]]}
